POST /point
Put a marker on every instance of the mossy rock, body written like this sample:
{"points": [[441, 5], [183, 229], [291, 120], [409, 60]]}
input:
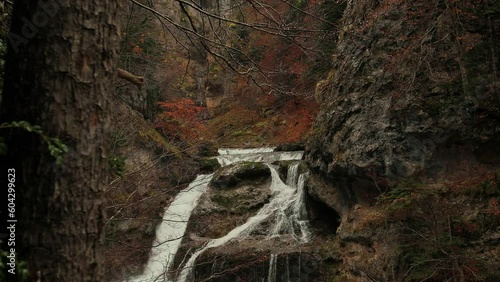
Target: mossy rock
{"points": [[243, 200], [207, 149], [238, 174], [152, 138], [284, 165], [209, 165]]}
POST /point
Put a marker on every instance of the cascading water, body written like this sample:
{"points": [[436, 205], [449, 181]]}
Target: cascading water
{"points": [[285, 211], [263, 155], [271, 275], [170, 231]]}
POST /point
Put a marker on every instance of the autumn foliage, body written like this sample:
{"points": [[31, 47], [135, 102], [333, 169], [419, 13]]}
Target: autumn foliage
{"points": [[180, 120]]}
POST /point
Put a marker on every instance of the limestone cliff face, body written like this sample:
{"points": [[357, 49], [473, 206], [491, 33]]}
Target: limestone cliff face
{"points": [[414, 92], [410, 113]]}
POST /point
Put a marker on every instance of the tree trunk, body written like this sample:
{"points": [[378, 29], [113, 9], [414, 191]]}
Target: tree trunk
{"points": [[59, 69]]}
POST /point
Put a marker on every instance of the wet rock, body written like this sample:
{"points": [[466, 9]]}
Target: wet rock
{"points": [[209, 165], [334, 197], [250, 261], [238, 174], [284, 165], [298, 146], [207, 149], [241, 200]]}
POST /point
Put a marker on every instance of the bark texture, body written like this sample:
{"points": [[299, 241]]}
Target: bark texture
{"points": [[59, 68]]}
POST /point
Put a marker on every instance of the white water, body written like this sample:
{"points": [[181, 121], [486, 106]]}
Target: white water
{"points": [[286, 211], [280, 212], [170, 231], [263, 157], [237, 151], [271, 275]]}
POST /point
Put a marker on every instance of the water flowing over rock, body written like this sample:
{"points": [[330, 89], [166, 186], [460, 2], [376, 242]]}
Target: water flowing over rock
{"points": [[237, 174], [170, 231], [271, 276], [282, 214], [263, 155]]}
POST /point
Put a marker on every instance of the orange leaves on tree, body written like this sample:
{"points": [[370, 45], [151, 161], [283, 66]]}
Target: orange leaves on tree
{"points": [[298, 115], [180, 119]]}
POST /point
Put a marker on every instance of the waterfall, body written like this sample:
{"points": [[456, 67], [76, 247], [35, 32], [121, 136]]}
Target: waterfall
{"points": [[292, 175], [170, 231], [281, 211], [271, 275], [240, 155], [285, 211], [237, 151]]}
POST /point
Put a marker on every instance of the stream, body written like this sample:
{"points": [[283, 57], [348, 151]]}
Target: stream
{"points": [[285, 211]]}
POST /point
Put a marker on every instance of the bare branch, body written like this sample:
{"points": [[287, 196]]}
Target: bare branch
{"points": [[134, 79]]}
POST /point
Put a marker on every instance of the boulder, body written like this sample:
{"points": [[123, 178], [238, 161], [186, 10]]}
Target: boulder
{"points": [[209, 165], [238, 174], [242, 200]]}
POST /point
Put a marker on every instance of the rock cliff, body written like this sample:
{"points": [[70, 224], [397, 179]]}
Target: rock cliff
{"points": [[413, 92], [406, 144]]}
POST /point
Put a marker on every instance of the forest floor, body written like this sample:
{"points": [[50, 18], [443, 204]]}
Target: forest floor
{"points": [[240, 126]]}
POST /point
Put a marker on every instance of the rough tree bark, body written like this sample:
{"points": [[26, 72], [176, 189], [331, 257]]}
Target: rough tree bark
{"points": [[59, 68]]}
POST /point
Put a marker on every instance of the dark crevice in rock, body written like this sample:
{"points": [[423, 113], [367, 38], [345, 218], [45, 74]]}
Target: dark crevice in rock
{"points": [[324, 220]]}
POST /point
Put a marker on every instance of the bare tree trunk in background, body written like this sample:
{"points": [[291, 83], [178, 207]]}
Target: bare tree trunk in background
{"points": [[59, 69]]}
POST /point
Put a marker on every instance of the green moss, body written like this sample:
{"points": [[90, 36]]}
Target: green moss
{"points": [[262, 124], [486, 189], [116, 165], [403, 189], [250, 169], [221, 200], [209, 165], [118, 138], [241, 132], [229, 201], [154, 137]]}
